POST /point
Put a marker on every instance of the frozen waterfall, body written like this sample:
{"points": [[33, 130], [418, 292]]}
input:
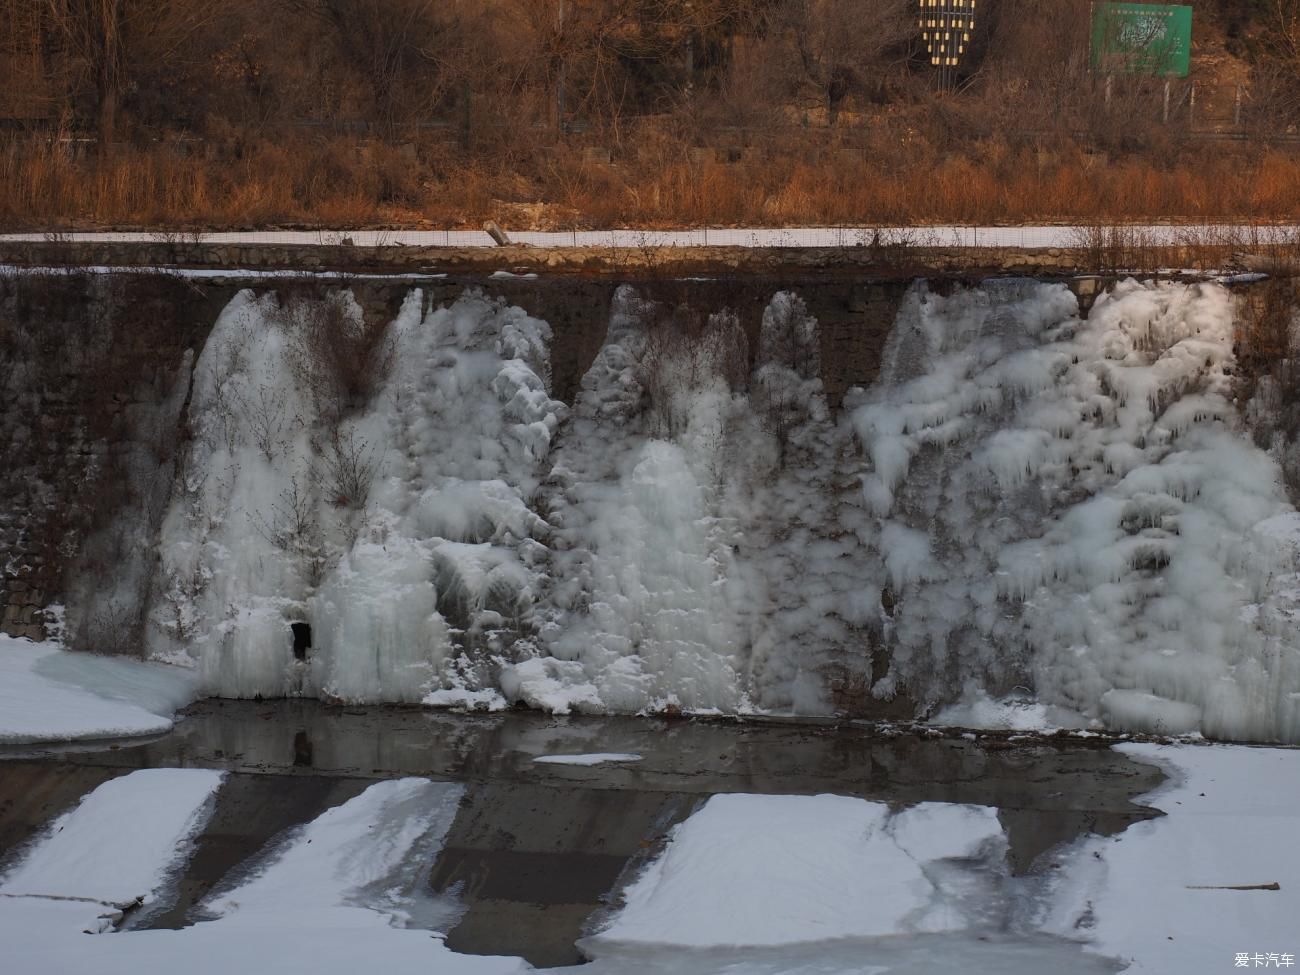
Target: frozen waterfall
{"points": [[1023, 501]]}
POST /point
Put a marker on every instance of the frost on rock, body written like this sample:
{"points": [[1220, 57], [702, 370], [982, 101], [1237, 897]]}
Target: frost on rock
{"points": [[1068, 505]]}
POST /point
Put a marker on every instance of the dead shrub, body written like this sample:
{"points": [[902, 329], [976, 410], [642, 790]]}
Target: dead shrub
{"points": [[339, 355]]}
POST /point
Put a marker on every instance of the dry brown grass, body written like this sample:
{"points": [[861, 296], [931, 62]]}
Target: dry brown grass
{"points": [[336, 182]]}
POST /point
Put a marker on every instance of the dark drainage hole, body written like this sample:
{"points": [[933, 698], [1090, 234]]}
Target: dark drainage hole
{"points": [[301, 639]]}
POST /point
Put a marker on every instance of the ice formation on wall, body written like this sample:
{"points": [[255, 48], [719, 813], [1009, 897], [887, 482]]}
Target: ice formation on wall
{"points": [[637, 610], [1068, 504], [697, 561], [1024, 499], [447, 560], [397, 527], [225, 586]]}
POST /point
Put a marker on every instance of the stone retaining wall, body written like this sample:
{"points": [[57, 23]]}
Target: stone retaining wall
{"points": [[885, 260]]}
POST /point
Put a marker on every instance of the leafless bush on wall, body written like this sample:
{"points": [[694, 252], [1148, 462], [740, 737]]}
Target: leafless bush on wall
{"points": [[686, 351], [265, 413], [337, 355], [294, 528], [348, 465], [113, 628], [230, 361]]}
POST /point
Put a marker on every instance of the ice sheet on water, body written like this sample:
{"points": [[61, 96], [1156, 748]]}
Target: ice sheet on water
{"points": [[595, 758], [1155, 894], [49, 694]]}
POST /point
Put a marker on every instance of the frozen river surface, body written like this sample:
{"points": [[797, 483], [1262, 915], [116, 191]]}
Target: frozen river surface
{"points": [[290, 836]]}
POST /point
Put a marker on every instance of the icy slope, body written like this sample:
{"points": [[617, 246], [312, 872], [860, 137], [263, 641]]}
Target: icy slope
{"points": [[114, 849], [339, 894], [839, 866]]}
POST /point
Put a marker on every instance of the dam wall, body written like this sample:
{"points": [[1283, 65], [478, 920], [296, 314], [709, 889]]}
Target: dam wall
{"points": [[804, 492]]}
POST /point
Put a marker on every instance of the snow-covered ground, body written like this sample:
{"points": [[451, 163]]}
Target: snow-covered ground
{"points": [[748, 885], [1160, 894], [936, 236], [47, 694]]}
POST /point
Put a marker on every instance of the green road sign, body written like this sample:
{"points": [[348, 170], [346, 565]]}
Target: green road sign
{"points": [[1141, 38]]}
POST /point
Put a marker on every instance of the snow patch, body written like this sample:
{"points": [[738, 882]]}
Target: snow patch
{"points": [[117, 846], [49, 694], [1154, 895], [778, 870], [596, 758]]}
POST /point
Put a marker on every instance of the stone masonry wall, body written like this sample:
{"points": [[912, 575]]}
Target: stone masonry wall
{"points": [[883, 262], [80, 355]]}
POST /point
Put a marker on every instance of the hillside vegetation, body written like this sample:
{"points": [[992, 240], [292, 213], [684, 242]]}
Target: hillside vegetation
{"points": [[552, 114]]}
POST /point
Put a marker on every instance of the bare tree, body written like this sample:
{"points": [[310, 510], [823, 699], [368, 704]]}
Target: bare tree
{"points": [[844, 45], [105, 42], [395, 47]]}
